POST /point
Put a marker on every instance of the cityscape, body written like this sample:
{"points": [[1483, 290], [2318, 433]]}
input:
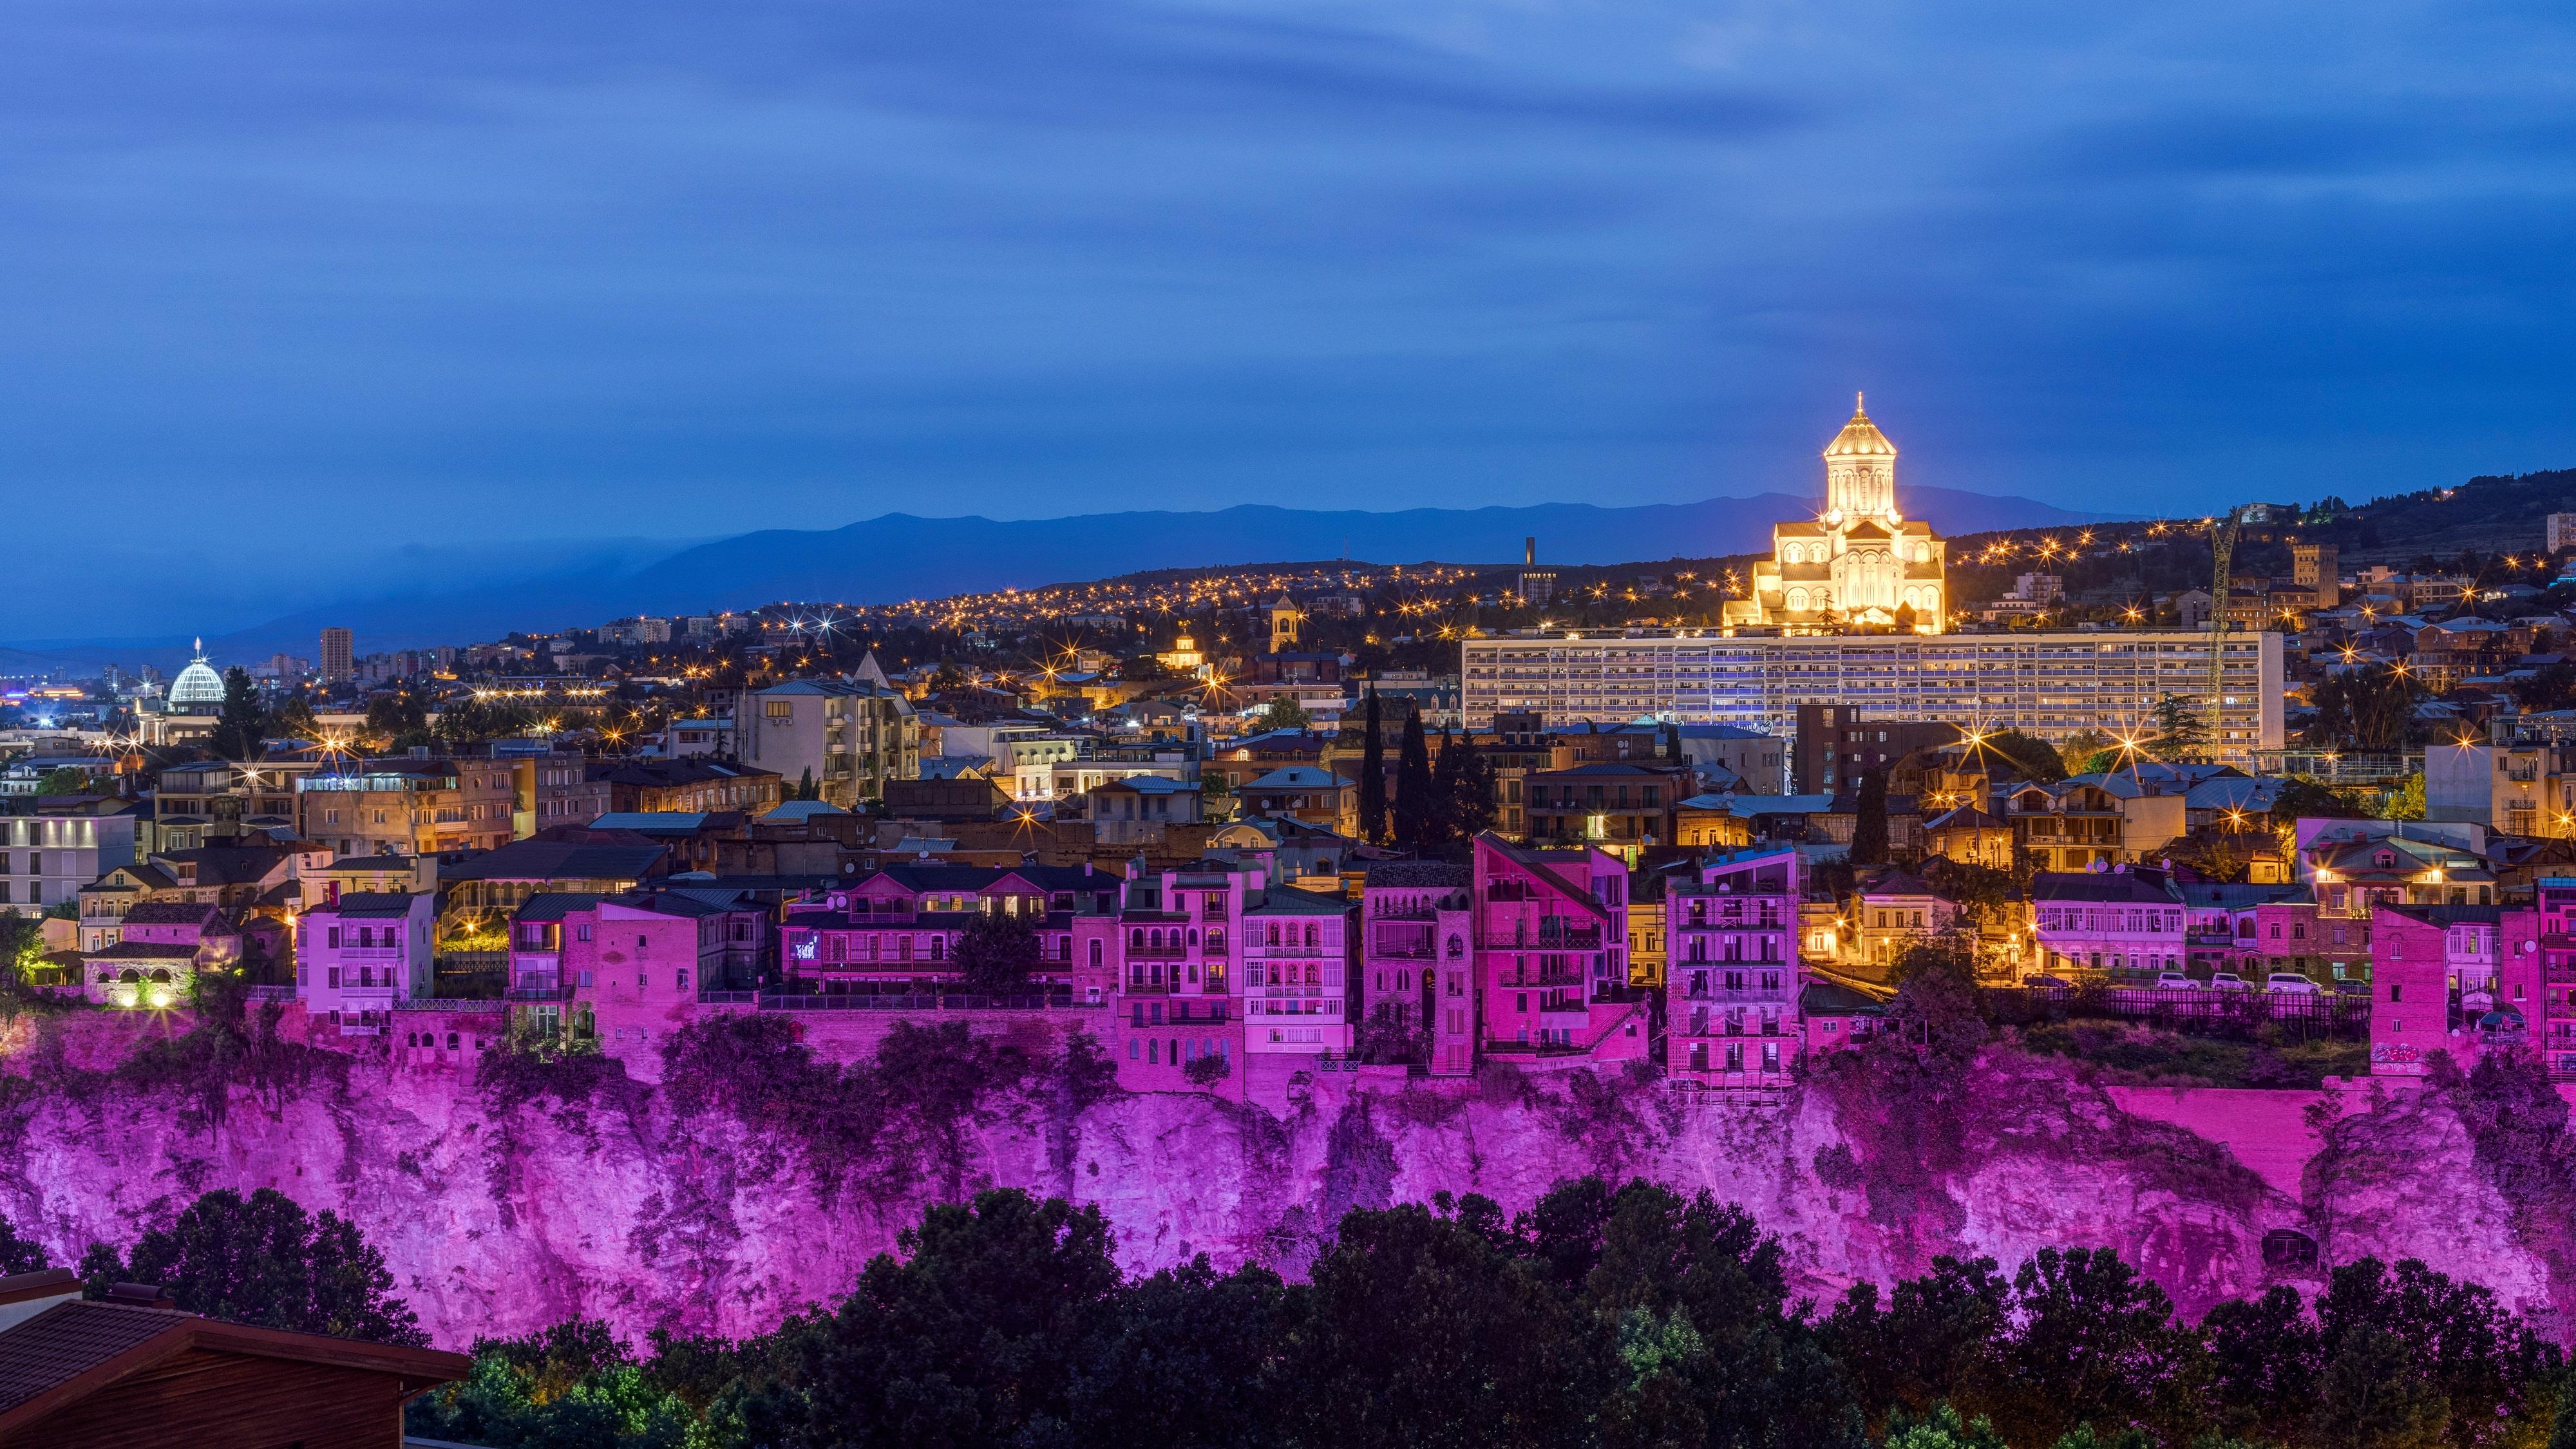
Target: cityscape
{"points": [[1281, 727]]}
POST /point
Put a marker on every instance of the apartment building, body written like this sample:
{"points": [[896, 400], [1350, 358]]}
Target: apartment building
{"points": [[408, 806], [1414, 915], [850, 735], [45, 860], [1731, 977], [361, 955], [2049, 685], [1551, 968]]}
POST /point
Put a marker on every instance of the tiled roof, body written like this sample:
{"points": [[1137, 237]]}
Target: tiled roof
{"points": [[168, 913], [557, 860], [69, 1339], [555, 905], [368, 904], [1420, 875]]}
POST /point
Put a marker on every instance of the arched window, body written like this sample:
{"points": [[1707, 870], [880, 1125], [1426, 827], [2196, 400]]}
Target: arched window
{"points": [[1797, 598], [1216, 938], [1135, 940]]}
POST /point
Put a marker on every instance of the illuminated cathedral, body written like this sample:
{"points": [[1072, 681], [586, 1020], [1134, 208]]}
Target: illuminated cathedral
{"points": [[1859, 561]]}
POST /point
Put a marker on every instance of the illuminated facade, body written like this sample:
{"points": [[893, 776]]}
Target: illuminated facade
{"points": [[2050, 685], [1861, 561]]}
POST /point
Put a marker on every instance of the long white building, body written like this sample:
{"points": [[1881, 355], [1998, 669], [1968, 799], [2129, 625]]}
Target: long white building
{"points": [[2050, 685]]}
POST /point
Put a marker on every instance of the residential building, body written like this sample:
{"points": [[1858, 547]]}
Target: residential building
{"points": [[684, 739], [2127, 921], [361, 955], [339, 658], [1551, 970], [1837, 746], [1301, 792], [2436, 977], [686, 787], [850, 735], [1970, 836], [408, 806], [1135, 810], [2069, 826], [45, 859], [898, 928], [1731, 983], [1761, 761], [1892, 912], [2047, 684], [1414, 914], [1623, 806]]}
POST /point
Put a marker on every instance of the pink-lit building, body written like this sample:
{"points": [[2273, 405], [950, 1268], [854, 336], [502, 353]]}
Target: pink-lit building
{"points": [[1416, 922], [1551, 960], [362, 954], [1731, 971], [2468, 979], [1214, 963], [899, 927]]}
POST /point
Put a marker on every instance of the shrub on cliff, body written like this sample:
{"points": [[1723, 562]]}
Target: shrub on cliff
{"points": [[17, 1255], [262, 1260]]}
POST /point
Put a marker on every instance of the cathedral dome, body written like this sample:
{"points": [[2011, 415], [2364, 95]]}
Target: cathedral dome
{"points": [[1860, 438], [198, 683]]}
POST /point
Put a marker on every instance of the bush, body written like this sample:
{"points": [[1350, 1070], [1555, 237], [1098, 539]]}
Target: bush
{"points": [[1208, 1070]]}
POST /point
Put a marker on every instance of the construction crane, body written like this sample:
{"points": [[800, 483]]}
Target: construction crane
{"points": [[2222, 552]]}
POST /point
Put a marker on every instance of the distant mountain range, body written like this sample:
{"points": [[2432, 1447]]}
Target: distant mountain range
{"points": [[900, 556]]}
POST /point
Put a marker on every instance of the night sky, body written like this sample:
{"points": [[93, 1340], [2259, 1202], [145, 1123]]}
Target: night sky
{"points": [[476, 274]]}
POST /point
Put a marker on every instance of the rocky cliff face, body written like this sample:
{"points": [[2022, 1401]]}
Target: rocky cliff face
{"points": [[588, 1193]]}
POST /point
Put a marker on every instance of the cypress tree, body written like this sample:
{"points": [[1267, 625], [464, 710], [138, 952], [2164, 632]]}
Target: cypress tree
{"points": [[1413, 786], [1373, 777], [1445, 789], [1869, 832]]}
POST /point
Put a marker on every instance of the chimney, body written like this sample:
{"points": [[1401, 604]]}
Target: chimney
{"points": [[24, 1295], [1529, 550], [141, 1295]]}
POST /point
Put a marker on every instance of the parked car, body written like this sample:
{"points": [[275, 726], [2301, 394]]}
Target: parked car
{"points": [[2290, 983], [2228, 981], [2175, 981], [2050, 983], [2352, 988]]}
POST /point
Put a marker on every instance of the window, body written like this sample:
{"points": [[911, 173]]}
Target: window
{"points": [[683, 981]]}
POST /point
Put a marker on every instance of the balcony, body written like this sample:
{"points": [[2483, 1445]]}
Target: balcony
{"points": [[538, 993]]}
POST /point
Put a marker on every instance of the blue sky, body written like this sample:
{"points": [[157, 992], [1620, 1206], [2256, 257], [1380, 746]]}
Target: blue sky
{"points": [[467, 273]]}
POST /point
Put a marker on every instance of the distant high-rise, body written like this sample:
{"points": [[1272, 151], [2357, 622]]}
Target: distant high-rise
{"points": [[338, 662]]}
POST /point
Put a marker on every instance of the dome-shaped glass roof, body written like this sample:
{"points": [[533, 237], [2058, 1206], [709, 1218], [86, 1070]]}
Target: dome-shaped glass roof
{"points": [[198, 683]]}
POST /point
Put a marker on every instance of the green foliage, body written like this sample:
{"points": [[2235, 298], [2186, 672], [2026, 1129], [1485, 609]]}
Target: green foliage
{"points": [[2182, 730], [2370, 708], [1605, 1317], [17, 1255], [1416, 809], [263, 1261], [2406, 802], [1208, 1070], [997, 953], [2027, 756], [1372, 772], [241, 725], [1869, 828], [2134, 1055], [66, 780], [1285, 713]]}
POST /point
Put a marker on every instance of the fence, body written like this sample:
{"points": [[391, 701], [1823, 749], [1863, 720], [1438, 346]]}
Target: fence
{"points": [[2202, 1012], [871, 1001]]}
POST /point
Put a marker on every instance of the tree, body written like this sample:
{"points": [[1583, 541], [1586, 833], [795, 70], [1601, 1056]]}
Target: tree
{"points": [[1208, 1070], [805, 788], [997, 953], [1372, 773], [1906, 620], [947, 678], [399, 718], [2077, 752], [2181, 731], [1414, 804], [2033, 758], [294, 719], [978, 1334], [66, 780], [2406, 802], [1448, 792], [1285, 713], [1869, 830], [17, 1255], [264, 1262], [241, 725], [1470, 793], [1512, 1370]]}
